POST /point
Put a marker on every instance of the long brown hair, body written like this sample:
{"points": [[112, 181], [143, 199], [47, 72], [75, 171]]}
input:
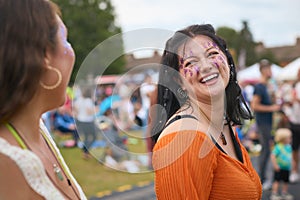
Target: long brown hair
{"points": [[27, 29]]}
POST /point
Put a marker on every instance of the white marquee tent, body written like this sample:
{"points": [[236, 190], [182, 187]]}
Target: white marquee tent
{"points": [[289, 72], [252, 73]]}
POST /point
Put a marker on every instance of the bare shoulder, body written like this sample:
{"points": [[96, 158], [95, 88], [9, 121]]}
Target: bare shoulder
{"points": [[12, 180], [184, 124]]}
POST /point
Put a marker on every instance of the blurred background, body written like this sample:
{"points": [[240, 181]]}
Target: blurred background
{"points": [[254, 30]]}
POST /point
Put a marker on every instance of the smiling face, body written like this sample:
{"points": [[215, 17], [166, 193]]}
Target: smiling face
{"points": [[204, 68]]}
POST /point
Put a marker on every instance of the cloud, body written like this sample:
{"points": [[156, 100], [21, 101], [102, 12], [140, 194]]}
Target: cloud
{"points": [[270, 21]]}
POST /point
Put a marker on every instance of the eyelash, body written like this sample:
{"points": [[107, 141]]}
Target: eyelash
{"points": [[189, 63], [194, 61], [213, 53]]}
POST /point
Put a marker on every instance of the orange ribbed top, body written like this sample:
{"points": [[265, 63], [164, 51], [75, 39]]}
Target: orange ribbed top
{"points": [[189, 166]]}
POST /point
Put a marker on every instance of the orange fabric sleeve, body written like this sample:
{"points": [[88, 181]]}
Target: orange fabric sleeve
{"points": [[184, 162]]}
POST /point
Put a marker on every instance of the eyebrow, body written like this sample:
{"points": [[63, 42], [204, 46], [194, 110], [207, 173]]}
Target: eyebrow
{"points": [[190, 57], [206, 50]]}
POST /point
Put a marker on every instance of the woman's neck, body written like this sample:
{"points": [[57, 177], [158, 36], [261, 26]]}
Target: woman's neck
{"points": [[26, 121], [212, 111]]}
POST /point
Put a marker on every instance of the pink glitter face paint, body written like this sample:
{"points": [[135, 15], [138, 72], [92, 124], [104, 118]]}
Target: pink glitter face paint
{"points": [[191, 73], [181, 63], [220, 58], [217, 65], [191, 53], [66, 44], [181, 60], [185, 72], [197, 69]]}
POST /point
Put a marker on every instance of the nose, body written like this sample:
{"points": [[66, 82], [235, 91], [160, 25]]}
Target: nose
{"points": [[205, 66]]}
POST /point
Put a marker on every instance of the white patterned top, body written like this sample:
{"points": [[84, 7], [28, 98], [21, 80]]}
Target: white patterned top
{"points": [[33, 170]]}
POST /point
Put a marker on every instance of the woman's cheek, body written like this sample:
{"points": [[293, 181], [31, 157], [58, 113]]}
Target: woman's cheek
{"points": [[192, 72], [68, 50], [220, 63]]}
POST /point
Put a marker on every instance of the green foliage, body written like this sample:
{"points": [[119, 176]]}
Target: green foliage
{"points": [[269, 56], [95, 177], [89, 22], [231, 37], [247, 44], [238, 41]]}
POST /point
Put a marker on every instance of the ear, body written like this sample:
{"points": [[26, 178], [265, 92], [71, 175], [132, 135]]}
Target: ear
{"points": [[47, 58], [46, 62]]}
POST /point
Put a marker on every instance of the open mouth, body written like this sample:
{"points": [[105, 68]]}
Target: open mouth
{"points": [[209, 78]]}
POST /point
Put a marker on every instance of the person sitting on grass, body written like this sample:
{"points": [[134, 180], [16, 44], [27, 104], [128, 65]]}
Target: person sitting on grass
{"points": [[65, 123]]}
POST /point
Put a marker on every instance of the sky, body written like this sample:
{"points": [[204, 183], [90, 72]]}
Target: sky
{"points": [[273, 22]]}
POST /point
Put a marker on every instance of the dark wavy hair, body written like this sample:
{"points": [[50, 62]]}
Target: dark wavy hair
{"points": [[27, 29], [170, 95]]}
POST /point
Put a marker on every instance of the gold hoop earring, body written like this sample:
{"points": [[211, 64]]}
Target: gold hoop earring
{"points": [[51, 87]]}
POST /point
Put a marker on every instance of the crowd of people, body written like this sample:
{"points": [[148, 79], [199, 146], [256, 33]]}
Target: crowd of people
{"points": [[275, 109]]}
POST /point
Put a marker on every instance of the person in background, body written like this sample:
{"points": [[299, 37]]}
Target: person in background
{"points": [[197, 154], [65, 123], [281, 158], [149, 142], [145, 91], [84, 109], [264, 108], [36, 62], [292, 110]]}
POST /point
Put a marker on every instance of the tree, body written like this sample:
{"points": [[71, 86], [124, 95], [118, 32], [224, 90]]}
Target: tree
{"points": [[246, 47], [89, 23], [231, 36], [242, 46]]}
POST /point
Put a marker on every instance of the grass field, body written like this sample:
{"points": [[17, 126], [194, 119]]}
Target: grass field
{"points": [[94, 177]]}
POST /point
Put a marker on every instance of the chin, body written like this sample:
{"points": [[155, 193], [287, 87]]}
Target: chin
{"points": [[216, 92], [63, 100]]}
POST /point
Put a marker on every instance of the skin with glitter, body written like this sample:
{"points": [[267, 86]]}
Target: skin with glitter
{"points": [[193, 65], [66, 44]]}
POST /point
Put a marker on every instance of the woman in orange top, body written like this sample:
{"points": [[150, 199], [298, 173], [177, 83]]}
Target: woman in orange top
{"points": [[197, 153]]}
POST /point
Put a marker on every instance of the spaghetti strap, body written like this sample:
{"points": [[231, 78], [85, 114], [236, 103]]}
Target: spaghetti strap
{"points": [[236, 145]]}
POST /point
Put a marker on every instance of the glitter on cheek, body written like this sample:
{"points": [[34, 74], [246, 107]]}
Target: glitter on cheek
{"points": [[197, 69], [216, 64], [191, 53], [185, 72], [67, 46], [181, 60], [191, 73], [220, 58], [224, 58]]}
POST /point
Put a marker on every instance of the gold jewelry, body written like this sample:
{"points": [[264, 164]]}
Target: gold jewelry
{"points": [[222, 136], [51, 87], [56, 168], [22, 143]]}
